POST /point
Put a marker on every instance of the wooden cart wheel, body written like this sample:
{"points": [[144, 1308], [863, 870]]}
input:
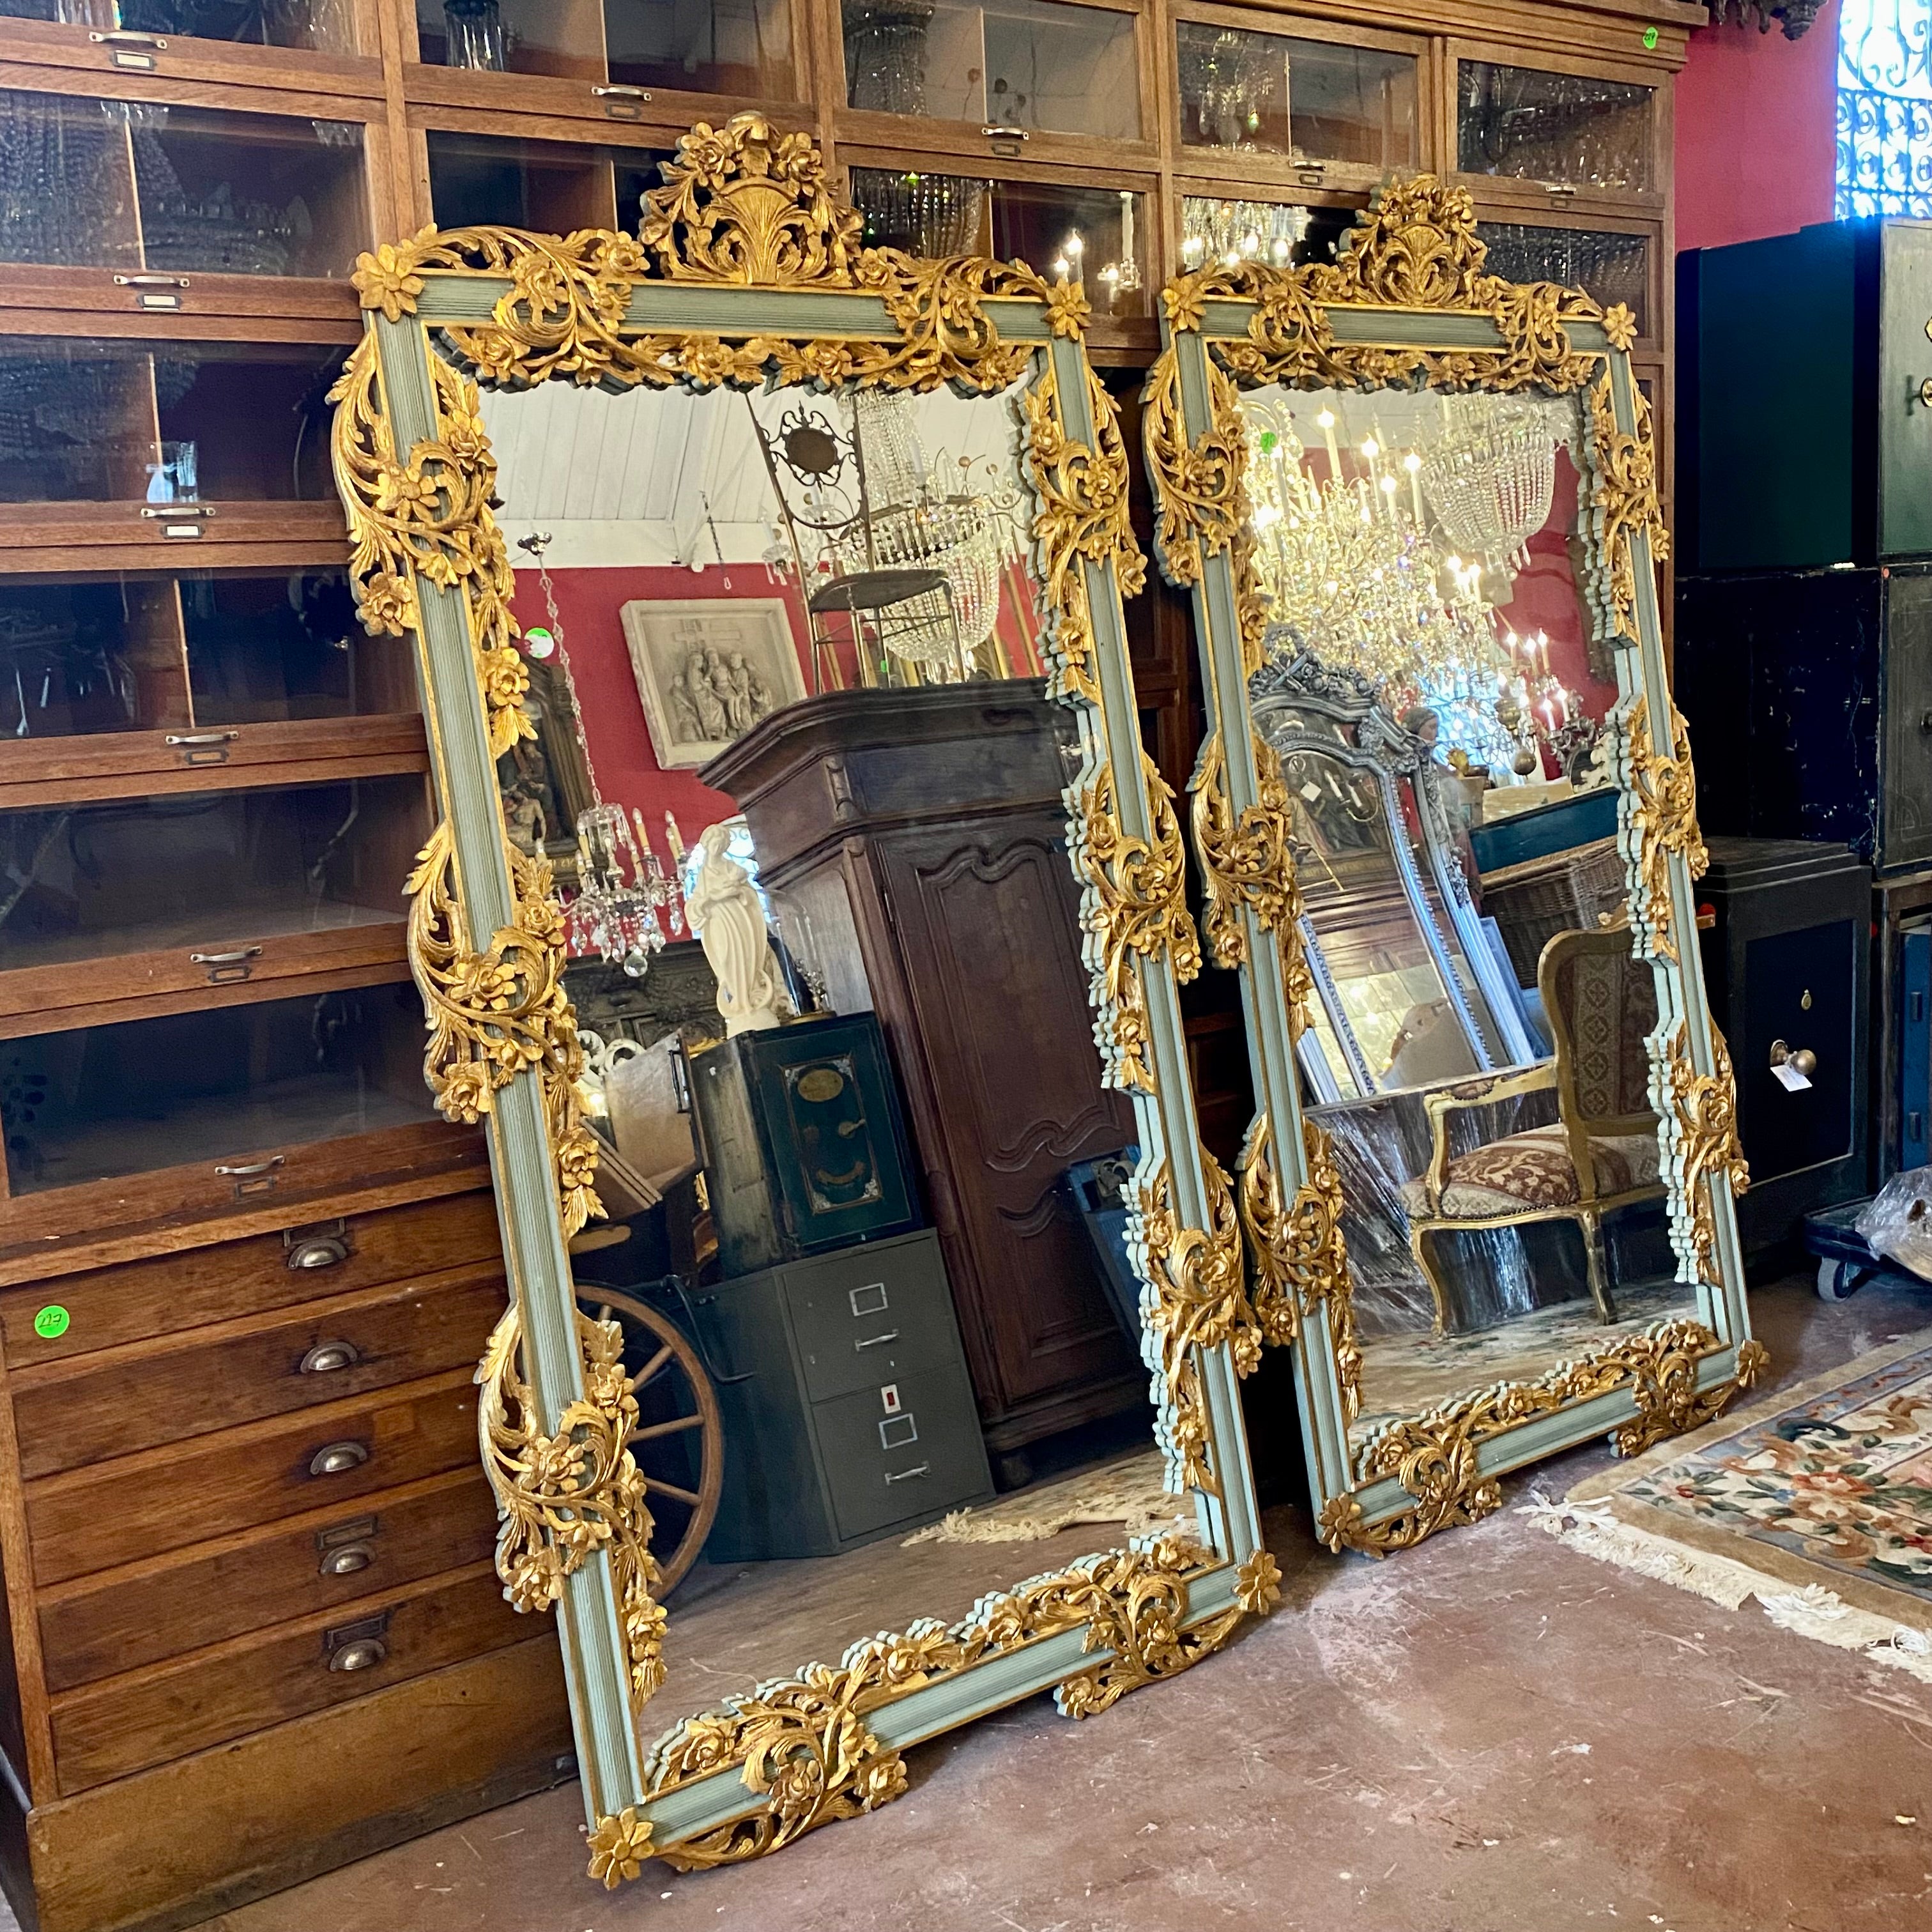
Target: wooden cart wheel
{"points": [[678, 1443]]}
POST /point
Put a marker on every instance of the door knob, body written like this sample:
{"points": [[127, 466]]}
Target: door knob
{"points": [[1802, 1060]]}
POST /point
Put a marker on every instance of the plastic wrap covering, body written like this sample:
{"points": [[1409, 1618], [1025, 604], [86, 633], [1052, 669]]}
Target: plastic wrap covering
{"points": [[1382, 1142], [1898, 1223]]}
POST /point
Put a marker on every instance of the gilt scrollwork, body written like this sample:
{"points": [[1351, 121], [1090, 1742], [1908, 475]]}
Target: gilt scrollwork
{"points": [[1135, 907], [564, 1496], [1658, 823], [1246, 862], [501, 1011], [1698, 1138], [1624, 504], [1434, 1456], [807, 1746], [1299, 1256]]}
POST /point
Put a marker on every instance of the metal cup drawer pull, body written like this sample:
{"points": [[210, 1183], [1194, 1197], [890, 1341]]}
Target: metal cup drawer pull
{"points": [[334, 1459], [327, 1356], [346, 1559], [347, 1548], [357, 1646]]}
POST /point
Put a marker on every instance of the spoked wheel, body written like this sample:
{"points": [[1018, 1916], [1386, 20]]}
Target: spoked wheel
{"points": [[678, 1443]]}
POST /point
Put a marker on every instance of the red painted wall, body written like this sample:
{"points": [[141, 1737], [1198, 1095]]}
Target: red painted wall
{"points": [[588, 602], [1757, 142]]}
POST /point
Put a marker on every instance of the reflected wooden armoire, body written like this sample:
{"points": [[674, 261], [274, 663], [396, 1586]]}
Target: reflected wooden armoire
{"points": [[922, 833]]}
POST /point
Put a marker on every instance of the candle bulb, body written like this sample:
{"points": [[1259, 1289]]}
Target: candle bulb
{"points": [[1326, 420], [1412, 464]]}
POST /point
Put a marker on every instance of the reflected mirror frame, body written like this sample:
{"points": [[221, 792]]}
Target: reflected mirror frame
{"points": [[1409, 303], [748, 270]]}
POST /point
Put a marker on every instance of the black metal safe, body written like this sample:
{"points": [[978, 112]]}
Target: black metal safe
{"points": [[1786, 965], [803, 1142]]}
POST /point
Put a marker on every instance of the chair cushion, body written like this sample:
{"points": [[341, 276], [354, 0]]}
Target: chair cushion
{"points": [[1533, 1169]]}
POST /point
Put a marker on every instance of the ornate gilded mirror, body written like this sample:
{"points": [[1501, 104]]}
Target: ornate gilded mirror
{"points": [[816, 551], [1444, 819]]}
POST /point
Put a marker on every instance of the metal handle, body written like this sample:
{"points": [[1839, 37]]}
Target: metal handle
{"points": [[174, 512], [1802, 1060], [274, 1161], [1005, 134], [334, 1459], [224, 959], [346, 1559], [126, 37], [614, 93], [324, 1244], [873, 1341], [364, 1653], [327, 1356], [1308, 167], [1561, 190], [150, 281], [201, 737], [907, 1475]]}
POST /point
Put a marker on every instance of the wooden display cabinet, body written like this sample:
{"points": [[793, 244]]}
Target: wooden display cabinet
{"points": [[251, 1628]]}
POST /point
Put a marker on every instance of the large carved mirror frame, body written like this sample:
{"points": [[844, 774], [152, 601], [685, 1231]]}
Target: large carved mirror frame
{"points": [[749, 271], [1408, 304]]}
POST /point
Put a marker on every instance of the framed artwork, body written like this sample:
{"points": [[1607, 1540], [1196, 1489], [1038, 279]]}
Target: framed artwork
{"points": [[708, 669]]}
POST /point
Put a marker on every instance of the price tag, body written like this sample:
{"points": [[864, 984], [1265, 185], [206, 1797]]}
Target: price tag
{"points": [[52, 1322], [1791, 1077]]}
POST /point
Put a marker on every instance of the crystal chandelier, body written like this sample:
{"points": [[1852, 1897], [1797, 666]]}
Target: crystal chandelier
{"points": [[1491, 475], [1230, 232], [1351, 567], [623, 897]]}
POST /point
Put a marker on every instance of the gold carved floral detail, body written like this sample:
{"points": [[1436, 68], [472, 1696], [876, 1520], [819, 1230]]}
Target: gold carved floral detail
{"points": [[618, 1847], [808, 1746], [1434, 1456], [1246, 864], [563, 1497], [494, 1014], [1698, 1129], [1257, 1584], [1136, 908], [1081, 519], [1623, 505], [1198, 1300], [1300, 1256], [1660, 822]]}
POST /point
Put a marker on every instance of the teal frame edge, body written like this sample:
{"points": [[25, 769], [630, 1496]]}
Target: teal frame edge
{"points": [[1337, 1492], [618, 1770]]}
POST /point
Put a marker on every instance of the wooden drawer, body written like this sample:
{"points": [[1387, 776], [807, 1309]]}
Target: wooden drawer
{"points": [[139, 1506], [166, 1711], [138, 1397], [142, 1612], [196, 1285]]}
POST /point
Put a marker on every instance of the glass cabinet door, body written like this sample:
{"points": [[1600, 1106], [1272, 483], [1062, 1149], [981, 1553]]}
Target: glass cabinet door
{"points": [[737, 47], [1582, 132], [189, 653], [117, 420], [1333, 111], [314, 26], [140, 185], [552, 186], [1095, 234], [1231, 230], [1611, 264], [1028, 66]]}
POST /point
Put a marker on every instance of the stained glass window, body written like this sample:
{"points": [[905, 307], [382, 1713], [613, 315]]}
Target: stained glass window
{"points": [[1885, 107]]}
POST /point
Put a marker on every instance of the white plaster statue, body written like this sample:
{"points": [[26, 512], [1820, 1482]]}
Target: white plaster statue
{"points": [[725, 914]]}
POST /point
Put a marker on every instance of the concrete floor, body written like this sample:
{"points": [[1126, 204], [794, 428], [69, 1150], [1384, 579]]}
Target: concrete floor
{"points": [[1486, 1734]]}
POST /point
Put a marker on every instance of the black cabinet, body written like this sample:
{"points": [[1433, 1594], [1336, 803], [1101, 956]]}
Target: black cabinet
{"points": [[1825, 457], [1786, 965], [1809, 698], [848, 1412]]}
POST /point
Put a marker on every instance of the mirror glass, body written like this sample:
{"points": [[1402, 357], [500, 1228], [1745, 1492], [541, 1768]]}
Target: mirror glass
{"points": [[795, 766], [1437, 693]]}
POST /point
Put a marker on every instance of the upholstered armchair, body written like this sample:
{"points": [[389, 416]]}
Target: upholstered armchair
{"points": [[1600, 1154]]}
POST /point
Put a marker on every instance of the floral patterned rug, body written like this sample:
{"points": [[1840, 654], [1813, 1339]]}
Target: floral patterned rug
{"points": [[1817, 1502]]}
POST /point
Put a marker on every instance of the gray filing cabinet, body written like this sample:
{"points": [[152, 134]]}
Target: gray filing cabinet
{"points": [[855, 1417]]}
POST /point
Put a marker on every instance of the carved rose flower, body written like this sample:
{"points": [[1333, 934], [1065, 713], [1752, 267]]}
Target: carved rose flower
{"points": [[505, 677], [406, 495], [388, 605], [466, 1092], [880, 1782], [534, 1579], [825, 362], [1257, 1584], [707, 361], [553, 1464]]}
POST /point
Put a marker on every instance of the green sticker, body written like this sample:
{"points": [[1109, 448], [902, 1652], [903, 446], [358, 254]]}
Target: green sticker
{"points": [[1650, 36], [51, 1321]]}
